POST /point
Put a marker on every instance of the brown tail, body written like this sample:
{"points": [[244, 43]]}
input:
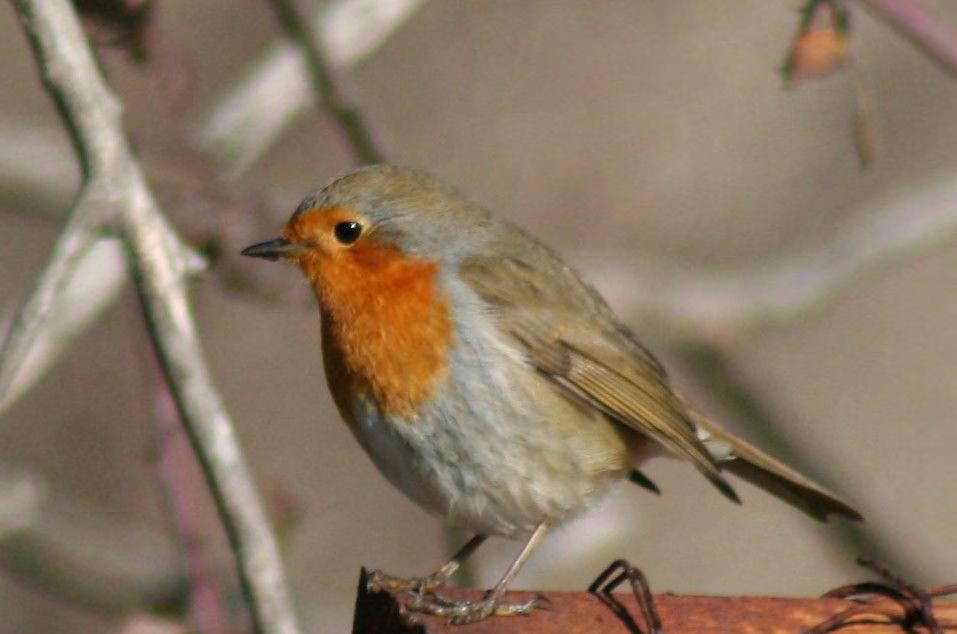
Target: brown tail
{"points": [[747, 461]]}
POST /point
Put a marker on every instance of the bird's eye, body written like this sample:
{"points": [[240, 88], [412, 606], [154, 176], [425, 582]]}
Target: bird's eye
{"points": [[348, 232]]}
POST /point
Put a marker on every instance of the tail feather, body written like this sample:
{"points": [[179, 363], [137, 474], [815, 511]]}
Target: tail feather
{"points": [[747, 461], [790, 486]]}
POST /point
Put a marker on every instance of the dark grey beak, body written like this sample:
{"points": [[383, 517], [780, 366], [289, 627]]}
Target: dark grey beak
{"points": [[272, 250]]}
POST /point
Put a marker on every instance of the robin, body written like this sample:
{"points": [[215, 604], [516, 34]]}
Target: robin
{"points": [[485, 379]]}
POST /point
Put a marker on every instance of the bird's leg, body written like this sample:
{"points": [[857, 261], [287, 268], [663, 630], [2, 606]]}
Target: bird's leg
{"points": [[462, 612], [421, 585]]}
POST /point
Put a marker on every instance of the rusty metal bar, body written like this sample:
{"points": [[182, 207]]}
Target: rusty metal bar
{"points": [[582, 613]]}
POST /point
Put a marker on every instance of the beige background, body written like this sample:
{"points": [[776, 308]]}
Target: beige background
{"points": [[629, 128]]}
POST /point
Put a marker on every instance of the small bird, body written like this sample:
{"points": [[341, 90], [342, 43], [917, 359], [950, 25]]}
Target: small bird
{"points": [[485, 379]]}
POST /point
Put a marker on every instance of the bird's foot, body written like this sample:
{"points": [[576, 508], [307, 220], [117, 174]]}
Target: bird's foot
{"points": [[462, 612], [378, 580]]}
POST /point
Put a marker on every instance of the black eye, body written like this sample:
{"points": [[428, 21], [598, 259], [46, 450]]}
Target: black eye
{"points": [[348, 232]]}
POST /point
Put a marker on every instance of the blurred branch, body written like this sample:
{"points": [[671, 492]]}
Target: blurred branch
{"points": [[249, 118], [323, 82], [916, 22], [207, 601], [115, 197], [714, 370], [724, 307], [33, 327], [94, 281], [80, 553]]}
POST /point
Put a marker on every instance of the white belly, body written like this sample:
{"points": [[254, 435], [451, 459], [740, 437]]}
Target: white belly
{"points": [[489, 460]]}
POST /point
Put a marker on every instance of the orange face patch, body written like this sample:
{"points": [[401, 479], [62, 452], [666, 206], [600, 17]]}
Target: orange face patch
{"points": [[387, 327], [316, 227]]}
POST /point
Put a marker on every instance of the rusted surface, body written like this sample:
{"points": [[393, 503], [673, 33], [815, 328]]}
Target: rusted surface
{"points": [[380, 613], [581, 613]]}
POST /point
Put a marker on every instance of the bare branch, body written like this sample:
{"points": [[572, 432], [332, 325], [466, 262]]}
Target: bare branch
{"points": [[321, 75], [31, 328], [722, 307], [925, 30], [276, 90], [65, 302], [160, 263]]}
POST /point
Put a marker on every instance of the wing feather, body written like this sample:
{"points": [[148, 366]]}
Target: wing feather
{"points": [[571, 336], [641, 401]]}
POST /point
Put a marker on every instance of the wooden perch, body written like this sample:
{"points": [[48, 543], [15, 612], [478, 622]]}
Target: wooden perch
{"points": [[580, 613]]}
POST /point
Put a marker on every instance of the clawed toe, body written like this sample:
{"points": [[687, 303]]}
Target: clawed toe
{"points": [[462, 612], [425, 600]]}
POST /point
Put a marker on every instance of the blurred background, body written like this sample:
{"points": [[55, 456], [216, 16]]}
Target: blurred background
{"points": [[620, 134]]}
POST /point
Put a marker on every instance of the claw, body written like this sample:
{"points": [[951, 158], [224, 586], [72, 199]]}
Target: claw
{"points": [[462, 612]]}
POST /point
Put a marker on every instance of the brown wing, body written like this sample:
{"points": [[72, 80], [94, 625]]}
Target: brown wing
{"points": [[571, 336]]}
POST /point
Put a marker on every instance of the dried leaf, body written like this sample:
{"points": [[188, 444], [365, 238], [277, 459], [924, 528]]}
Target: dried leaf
{"points": [[818, 53], [822, 44]]}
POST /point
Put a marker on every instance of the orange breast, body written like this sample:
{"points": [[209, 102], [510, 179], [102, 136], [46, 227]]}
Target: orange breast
{"points": [[387, 328]]}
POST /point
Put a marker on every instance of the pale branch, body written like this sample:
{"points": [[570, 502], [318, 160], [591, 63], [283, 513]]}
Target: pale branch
{"points": [[125, 205], [32, 326], [87, 287], [276, 89], [916, 22], [723, 307], [330, 95]]}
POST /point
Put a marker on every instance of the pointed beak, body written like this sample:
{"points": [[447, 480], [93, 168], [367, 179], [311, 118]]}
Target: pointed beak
{"points": [[272, 250]]}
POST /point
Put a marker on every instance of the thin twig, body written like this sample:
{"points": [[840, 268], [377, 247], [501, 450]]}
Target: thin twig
{"points": [[276, 89], [321, 75], [160, 263], [81, 291], [72, 246], [916, 22]]}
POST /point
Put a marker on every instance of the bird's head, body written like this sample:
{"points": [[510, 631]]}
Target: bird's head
{"points": [[373, 210], [374, 244], [369, 224]]}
